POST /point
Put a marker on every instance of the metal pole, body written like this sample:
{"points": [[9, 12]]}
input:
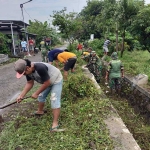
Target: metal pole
{"points": [[21, 5], [13, 39]]}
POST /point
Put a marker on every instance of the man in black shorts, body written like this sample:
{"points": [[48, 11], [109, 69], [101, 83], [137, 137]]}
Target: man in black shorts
{"points": [[68, 59]]}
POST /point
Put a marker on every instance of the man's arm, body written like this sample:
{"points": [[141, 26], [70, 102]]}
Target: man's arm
{"points": [[26, 89], [41, 89]]}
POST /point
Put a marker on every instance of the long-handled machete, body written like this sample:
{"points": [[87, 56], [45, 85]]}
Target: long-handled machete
{"points": [[12, 103]]}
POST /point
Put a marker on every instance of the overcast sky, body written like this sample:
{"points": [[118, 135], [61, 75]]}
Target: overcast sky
{"points": [[38, 9]]}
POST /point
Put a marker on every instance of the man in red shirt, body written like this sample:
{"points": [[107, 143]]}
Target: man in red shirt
{"points": [[31, 46], [79, 47]]}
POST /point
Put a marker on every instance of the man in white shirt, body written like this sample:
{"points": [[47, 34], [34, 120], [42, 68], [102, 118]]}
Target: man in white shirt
{"points": [[24, 47]]}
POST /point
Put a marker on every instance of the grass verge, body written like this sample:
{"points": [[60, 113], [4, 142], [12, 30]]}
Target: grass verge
{"points": [[82, 114]]}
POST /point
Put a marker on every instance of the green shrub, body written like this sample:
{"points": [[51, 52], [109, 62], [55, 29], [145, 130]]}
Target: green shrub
{"points": [[97, 46], [3, 44]]}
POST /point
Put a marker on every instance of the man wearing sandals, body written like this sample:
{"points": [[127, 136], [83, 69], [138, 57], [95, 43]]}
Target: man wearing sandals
{"points": [[51, 81]]}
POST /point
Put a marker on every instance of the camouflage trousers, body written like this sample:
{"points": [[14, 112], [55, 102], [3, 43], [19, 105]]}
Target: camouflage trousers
{"points": [[95, 69], [44, 54], [115, 84]]}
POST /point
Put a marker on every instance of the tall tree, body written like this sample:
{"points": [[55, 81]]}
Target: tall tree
{"points": [[141, 27], [41, 29], [66, 23], [128, 10], [92, 18]]}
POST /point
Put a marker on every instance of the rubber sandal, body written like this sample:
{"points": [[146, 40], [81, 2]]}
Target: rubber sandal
{"points": [[36, 114], [56, 129]]}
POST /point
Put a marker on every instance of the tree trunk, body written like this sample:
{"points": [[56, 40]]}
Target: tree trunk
{"points": [[123, 38], [116, 36]]}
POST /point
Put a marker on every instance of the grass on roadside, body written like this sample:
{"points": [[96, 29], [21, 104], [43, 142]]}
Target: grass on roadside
{"points": [[136, 62], [82, 113]]}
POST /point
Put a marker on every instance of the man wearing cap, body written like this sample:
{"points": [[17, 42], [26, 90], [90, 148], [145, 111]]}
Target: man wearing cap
{"points": [[68, 59], [115, 71], [50, 79]]}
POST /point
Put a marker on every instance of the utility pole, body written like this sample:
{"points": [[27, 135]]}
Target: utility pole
{"points": [[25, 31]]}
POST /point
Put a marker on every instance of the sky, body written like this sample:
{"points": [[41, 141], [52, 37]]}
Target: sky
{"points": [[38, 9]]}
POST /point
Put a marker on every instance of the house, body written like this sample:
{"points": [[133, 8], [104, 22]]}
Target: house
{"points": [[15, 30]]}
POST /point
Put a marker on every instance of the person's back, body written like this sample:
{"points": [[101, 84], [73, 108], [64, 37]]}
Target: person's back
{"points": [[51, 54], [105, 46], [115, 70], [106, 43], [63, 57]]}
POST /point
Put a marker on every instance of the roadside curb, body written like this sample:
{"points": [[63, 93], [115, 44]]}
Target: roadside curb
{"points": [[119, 133]]}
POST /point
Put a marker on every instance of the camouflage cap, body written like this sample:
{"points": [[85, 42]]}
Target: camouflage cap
{"points": [[114, 55]]}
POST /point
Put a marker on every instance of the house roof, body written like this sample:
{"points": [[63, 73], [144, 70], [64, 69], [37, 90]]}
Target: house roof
{"points": [[16, 22]]}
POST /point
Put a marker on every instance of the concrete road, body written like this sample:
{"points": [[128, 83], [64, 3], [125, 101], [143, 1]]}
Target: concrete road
{"points": [[10, 86]]}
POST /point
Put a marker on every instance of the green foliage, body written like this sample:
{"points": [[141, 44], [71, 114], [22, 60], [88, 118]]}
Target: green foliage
{"points": [[3, 44], [43, 30], [97, 45], [92, 22], [140, 27], [72, 47], [67, 24], [136, 62], [82, 114], [78, 87]]}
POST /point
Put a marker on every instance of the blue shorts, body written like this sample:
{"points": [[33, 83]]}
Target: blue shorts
{"points": [[55, 95]]}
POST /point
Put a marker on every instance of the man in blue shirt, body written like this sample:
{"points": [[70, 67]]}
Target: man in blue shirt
{"points": [[52, 53]]}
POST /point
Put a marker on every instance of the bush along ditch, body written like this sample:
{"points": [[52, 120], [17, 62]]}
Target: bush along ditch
{"points": [[82, 114]]}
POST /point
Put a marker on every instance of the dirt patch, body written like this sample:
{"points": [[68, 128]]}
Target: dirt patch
{"points": [[22, 109]]}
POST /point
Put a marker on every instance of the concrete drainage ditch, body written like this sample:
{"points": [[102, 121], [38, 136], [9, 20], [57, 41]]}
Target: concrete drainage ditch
{"points": [[119, 133]]}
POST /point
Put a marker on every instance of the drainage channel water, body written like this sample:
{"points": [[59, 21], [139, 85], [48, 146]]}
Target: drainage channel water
{"points": [[136, 120]]}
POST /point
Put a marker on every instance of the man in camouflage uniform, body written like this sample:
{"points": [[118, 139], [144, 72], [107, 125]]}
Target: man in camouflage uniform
{"points": [[44, 51], [95, 65], [86, 55], [115, 71]]}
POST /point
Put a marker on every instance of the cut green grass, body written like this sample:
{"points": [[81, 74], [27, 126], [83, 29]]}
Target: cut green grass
{"points": [[82, 114]]}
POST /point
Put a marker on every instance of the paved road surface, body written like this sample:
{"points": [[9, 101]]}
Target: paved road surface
{"points": [[10, 86]]}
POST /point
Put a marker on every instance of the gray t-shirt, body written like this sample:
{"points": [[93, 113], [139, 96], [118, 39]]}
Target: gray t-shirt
{"points": [[44, 72]]}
